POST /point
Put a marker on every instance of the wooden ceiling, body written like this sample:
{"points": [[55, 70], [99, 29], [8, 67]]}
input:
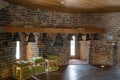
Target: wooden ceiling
{"points": [[72, 6]]}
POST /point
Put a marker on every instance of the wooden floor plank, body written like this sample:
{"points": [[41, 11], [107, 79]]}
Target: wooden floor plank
{"points": [[81, 72]]}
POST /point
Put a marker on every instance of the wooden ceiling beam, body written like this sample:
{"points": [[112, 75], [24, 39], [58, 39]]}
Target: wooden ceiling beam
{"points": [[52, 30]]}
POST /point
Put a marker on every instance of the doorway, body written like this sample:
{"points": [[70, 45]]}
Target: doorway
{"points": [[84, 52]]}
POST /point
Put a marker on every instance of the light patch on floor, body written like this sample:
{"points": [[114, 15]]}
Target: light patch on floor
{"points": [[76, 62]]}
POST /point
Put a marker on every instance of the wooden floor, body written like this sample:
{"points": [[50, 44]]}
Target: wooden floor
{"points": [[80, 72]]}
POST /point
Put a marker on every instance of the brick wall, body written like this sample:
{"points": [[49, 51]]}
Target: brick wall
{"points": [[7, 54], [13, 15]]}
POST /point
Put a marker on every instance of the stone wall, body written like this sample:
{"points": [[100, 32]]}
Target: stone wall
{"points": [[62, 51], [101, 53], [7, 54]]}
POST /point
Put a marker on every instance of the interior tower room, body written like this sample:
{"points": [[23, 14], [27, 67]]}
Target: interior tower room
{"points": [[59, 40]]}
